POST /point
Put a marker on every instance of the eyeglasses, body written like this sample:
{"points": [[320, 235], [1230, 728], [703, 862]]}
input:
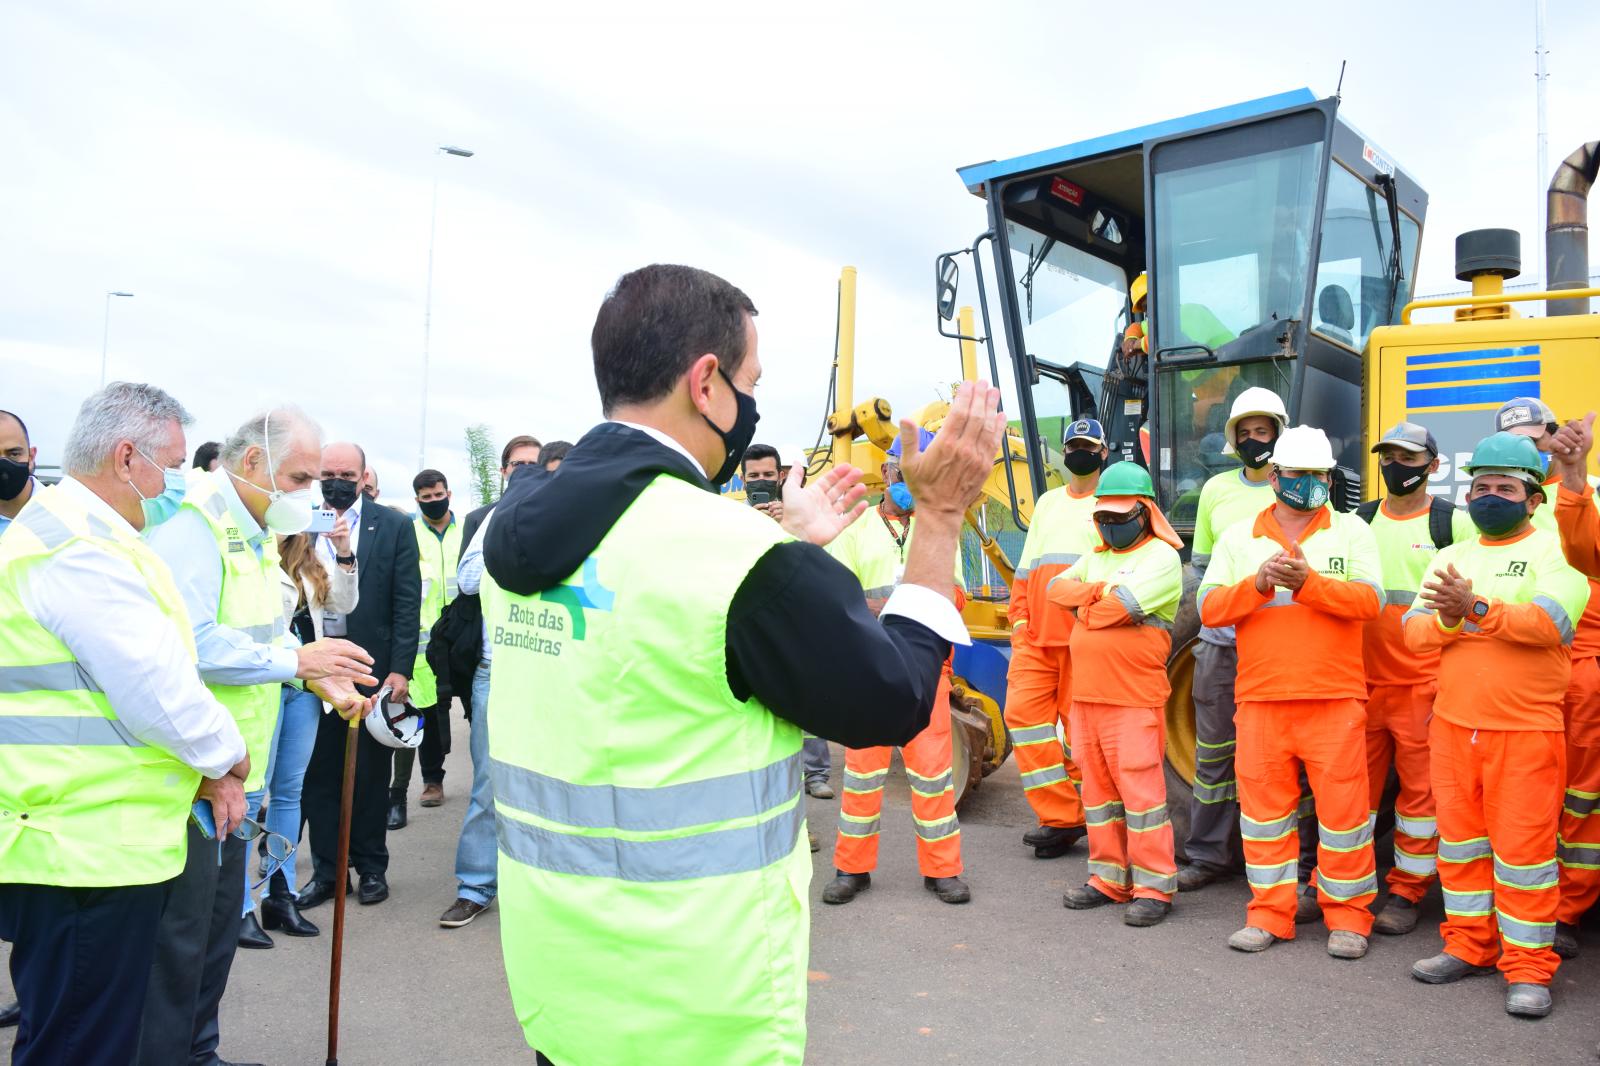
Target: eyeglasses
{"points": [[523, 462], [279, 848]]}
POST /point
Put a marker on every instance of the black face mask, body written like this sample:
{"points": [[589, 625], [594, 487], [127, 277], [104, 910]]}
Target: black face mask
{"points": [[1404, 480], [1120, 536], [1082, 462], [738, 438], [13, 478], [339, 493], [434, 509], [1255, 453]]}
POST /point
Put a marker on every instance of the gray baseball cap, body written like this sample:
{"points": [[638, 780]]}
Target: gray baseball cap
{"points": [[1411, 437]]}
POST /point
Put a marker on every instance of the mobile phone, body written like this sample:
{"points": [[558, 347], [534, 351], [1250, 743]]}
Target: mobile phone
{"points": [[757, 499], [200, 815], [760, 491], [323, 520]]}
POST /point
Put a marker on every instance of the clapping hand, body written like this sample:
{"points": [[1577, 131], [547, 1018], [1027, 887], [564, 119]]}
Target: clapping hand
{"points": [[823, 509], [1450, 595]]}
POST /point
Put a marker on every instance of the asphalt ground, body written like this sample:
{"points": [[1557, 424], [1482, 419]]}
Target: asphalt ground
{"points": [[899, 977]]}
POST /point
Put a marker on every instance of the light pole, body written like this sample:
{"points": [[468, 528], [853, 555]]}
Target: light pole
{"points": [[427, 306], [105, 336]]}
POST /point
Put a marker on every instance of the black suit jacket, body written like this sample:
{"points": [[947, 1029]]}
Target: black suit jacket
{"points": [[389, 612]]}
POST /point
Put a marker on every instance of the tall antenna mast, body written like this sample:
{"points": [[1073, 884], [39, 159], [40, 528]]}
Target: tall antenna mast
{"points": [[1541, 75]]}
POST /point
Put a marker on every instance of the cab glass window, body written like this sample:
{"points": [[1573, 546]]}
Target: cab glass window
{"points": [[1356, 289]]}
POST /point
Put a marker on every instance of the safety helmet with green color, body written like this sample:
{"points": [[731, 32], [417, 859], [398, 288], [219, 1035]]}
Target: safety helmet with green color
{"points": [[1124, 488], [1509, 455]]}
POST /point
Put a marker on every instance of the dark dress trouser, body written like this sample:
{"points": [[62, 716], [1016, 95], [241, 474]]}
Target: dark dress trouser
{"points": [[369, 817], [194, 954], [80, 963]]}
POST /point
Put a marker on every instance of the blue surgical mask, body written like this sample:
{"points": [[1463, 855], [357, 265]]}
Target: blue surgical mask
{"points": [[157, 509], [900, 494], [1303, 493]]}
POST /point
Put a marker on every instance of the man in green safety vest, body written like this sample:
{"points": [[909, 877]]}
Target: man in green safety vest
{"points": [[221, 546], [654, 669], [107, 735], [438, 552]]}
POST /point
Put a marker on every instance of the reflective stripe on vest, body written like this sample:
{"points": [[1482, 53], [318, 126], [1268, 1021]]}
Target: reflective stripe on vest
{"points": [[47, 677], [76, 730]]}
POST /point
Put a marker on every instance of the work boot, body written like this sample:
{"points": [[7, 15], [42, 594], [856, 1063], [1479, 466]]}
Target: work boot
{"points": [[819, 788], [948, 889], [1194, 876], [1527, 1000], [1566, 945], [1398, 917], [251, 935], [1306, 907], [1251, 939], [1144, 911], [432, 795], [397, 809], [845, 887], [1343, 944], [1084, 897], [1053, 841], [1444, 968]]}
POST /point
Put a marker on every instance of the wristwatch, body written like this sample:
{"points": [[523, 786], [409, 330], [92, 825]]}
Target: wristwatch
{"points": [[345, 560], [1480, 609]]}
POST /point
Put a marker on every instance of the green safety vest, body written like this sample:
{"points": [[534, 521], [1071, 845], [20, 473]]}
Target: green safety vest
{"points": [[653, 864], [83, 802], [437, 558], [867, 548], [251, 603]]}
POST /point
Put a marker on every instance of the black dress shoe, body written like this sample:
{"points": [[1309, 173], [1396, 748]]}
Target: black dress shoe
{"points": [[251, 935], [281, 913], [10, 1014], [317, 893], [374, 889]]}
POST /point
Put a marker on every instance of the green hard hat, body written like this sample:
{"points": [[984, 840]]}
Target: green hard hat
{"points": [[1125, 479], [1508, 453]]}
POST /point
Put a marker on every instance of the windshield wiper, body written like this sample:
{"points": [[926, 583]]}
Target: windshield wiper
{"points": [[1396, 260], [1034, 263]]}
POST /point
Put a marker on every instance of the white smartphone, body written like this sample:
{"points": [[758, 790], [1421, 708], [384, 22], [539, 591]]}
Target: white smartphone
{"points": [[322, 520]]}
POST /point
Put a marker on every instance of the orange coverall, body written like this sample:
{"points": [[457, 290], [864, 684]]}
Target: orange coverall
{"points": [[1578, 843]]}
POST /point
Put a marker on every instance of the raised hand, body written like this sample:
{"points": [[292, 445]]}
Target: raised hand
{"points": [[1570, 450], [947, 477], [823, 509]]}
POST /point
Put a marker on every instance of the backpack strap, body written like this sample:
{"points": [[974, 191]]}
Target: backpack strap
{"points": [[1441, 522], [1368, 511]]}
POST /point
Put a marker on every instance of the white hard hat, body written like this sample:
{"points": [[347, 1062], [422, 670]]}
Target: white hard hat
{"points": [[395, 725], [1251, 402], [1303, 448]]}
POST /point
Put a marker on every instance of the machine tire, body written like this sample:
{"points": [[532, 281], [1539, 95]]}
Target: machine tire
{"points": [[1179, 763], [970, 744]]}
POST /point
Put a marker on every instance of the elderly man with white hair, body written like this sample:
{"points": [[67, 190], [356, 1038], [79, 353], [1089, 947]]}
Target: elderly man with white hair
{"points": [[107, 735], [222, 548]]}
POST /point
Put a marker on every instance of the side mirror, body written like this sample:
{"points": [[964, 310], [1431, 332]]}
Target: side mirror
{"points": [[1106, 227], [949, 275]]}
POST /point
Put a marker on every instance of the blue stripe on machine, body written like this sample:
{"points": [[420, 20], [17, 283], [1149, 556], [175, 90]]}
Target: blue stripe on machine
{"points": [[1522, 368], [1466, 357], [1494, 392]]}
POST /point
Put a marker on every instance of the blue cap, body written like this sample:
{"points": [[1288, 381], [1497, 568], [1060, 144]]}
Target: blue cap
{"points": [[1086, 429]]}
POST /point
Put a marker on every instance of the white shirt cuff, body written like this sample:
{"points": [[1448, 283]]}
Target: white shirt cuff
{"points": [[931, 609]]}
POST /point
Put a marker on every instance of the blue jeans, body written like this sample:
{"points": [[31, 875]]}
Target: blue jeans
{"points": [[292, 741], [817, 759], [478, 853]]}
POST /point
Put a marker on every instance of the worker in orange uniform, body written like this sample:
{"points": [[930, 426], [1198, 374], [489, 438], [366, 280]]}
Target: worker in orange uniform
{"points": [[874, 548], [1125, 594], [1411, 527], [1298, 584], [1500, 610], [1039, 681], [1571, 491]]}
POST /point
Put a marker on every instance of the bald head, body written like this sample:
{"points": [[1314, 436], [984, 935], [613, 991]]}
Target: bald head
{"points": [[345, 461]]}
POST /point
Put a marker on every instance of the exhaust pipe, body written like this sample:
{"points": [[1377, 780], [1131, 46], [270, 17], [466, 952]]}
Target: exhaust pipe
{"points": [[1566, 235]]}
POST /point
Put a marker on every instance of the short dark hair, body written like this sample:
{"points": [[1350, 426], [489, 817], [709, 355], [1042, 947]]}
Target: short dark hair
{"points": [[656, 321], [522, 440], [556, 449], [20, 423], [427, 479], [759, 451], [206, 454]]}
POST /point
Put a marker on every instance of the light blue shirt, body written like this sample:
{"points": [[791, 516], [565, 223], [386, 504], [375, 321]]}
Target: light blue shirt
{"points": [[469, 576], [227, 656]]}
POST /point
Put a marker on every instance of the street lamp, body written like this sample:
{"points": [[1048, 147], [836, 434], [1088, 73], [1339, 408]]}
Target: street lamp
{"points": [[427, 307], [105, 335]]}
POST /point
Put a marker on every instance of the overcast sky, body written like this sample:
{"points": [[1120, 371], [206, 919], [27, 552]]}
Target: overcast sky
{"points": [[259, 176]]}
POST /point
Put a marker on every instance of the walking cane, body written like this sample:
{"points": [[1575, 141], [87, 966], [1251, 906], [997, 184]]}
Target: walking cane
{"points": [[341, 878]]}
